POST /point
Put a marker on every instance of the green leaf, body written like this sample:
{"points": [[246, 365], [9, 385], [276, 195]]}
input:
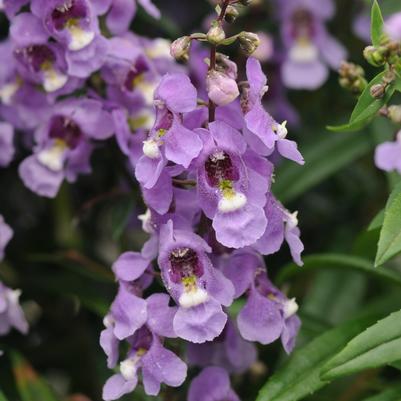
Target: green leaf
{"points": [[378, 345], [324, 156], [367, 106], [30, 386], [391, 394], [377, 221], [2, 397], [396, 365], [376, 24], [300, 375], [338, 261], [390, 235]]}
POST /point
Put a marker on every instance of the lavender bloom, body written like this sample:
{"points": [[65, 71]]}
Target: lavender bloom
{"points": [[282, 225], [6, 233], [232, 182], [71, 22], [229, 351], [11, 314], [262, 132], [310, 48], [393, 26], [64, 145], [388, 155], [37, 61], [11, 7], [121, 13], [158, 365], [196, 286], [212, 384], [6, 144]]}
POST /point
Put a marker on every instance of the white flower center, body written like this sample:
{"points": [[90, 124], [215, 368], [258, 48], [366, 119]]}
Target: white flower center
{"points": [[281, 130], [292, 220], [290, 308], [147, 90], [8, 91], [303, 51], [146, 221], [79, 37], [151, 149], [231, 202], [53, 157], [193, 297], [53, 80], [128, 368], [159, 48]]}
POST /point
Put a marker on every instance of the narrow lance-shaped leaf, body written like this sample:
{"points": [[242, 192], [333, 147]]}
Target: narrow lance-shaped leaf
{"points": [[376, 24], [300, 376], [31, 387], [390, 235], [377, 346]]}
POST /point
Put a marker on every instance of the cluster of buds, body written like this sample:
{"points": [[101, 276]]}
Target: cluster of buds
{"points": [[388, 52], [352, 77]]}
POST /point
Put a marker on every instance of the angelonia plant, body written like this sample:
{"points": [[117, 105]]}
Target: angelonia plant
{"points": [[205, 168], [204, 160]]}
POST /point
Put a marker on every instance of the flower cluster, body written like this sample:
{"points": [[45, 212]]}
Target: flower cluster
{"points": [[204, 158]]}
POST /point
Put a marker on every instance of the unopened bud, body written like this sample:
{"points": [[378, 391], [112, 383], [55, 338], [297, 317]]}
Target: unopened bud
{"points": [[394, 113], [231, 14], [221, 88], [179, 49], [215, 34], [374, 56], [352, 77], [377, 91], [249, 42]]}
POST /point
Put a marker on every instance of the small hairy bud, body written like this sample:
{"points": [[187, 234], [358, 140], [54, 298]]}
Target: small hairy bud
{"points": [[394, 113], [231, 14], [179, 49], [221, 88], [352, 77], [249, 42], [215, 34], [374, 56], [377, 91]]}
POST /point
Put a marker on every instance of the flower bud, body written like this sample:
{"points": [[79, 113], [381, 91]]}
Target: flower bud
{"points": [[179, 49], [374, 56], [394, 113], [215, 34], [221, 88], [231, 14], [248, 42], [377, 91]]}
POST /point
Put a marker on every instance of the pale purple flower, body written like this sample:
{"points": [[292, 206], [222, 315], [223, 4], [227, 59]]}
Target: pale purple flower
{"points": [[11, 7], [11, 314], [156, 363], [6, 144], [388, 155], [310, 49], [229, 351], [196, 286], [212, 384], [6, 233], [232, 182], [64, 145], [393, 26]]}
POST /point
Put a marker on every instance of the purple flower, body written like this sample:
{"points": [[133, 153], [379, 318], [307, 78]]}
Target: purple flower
{"points": [[388, 155], [157, 364], [6, 144], [393, 26], [232, 182], [11, 314], [196, 286], [229, 351], [11, 7], [212, 384], [71, 22], [6, 233], [64, 145], [282, 225], [268, 314], [309, 47]]}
